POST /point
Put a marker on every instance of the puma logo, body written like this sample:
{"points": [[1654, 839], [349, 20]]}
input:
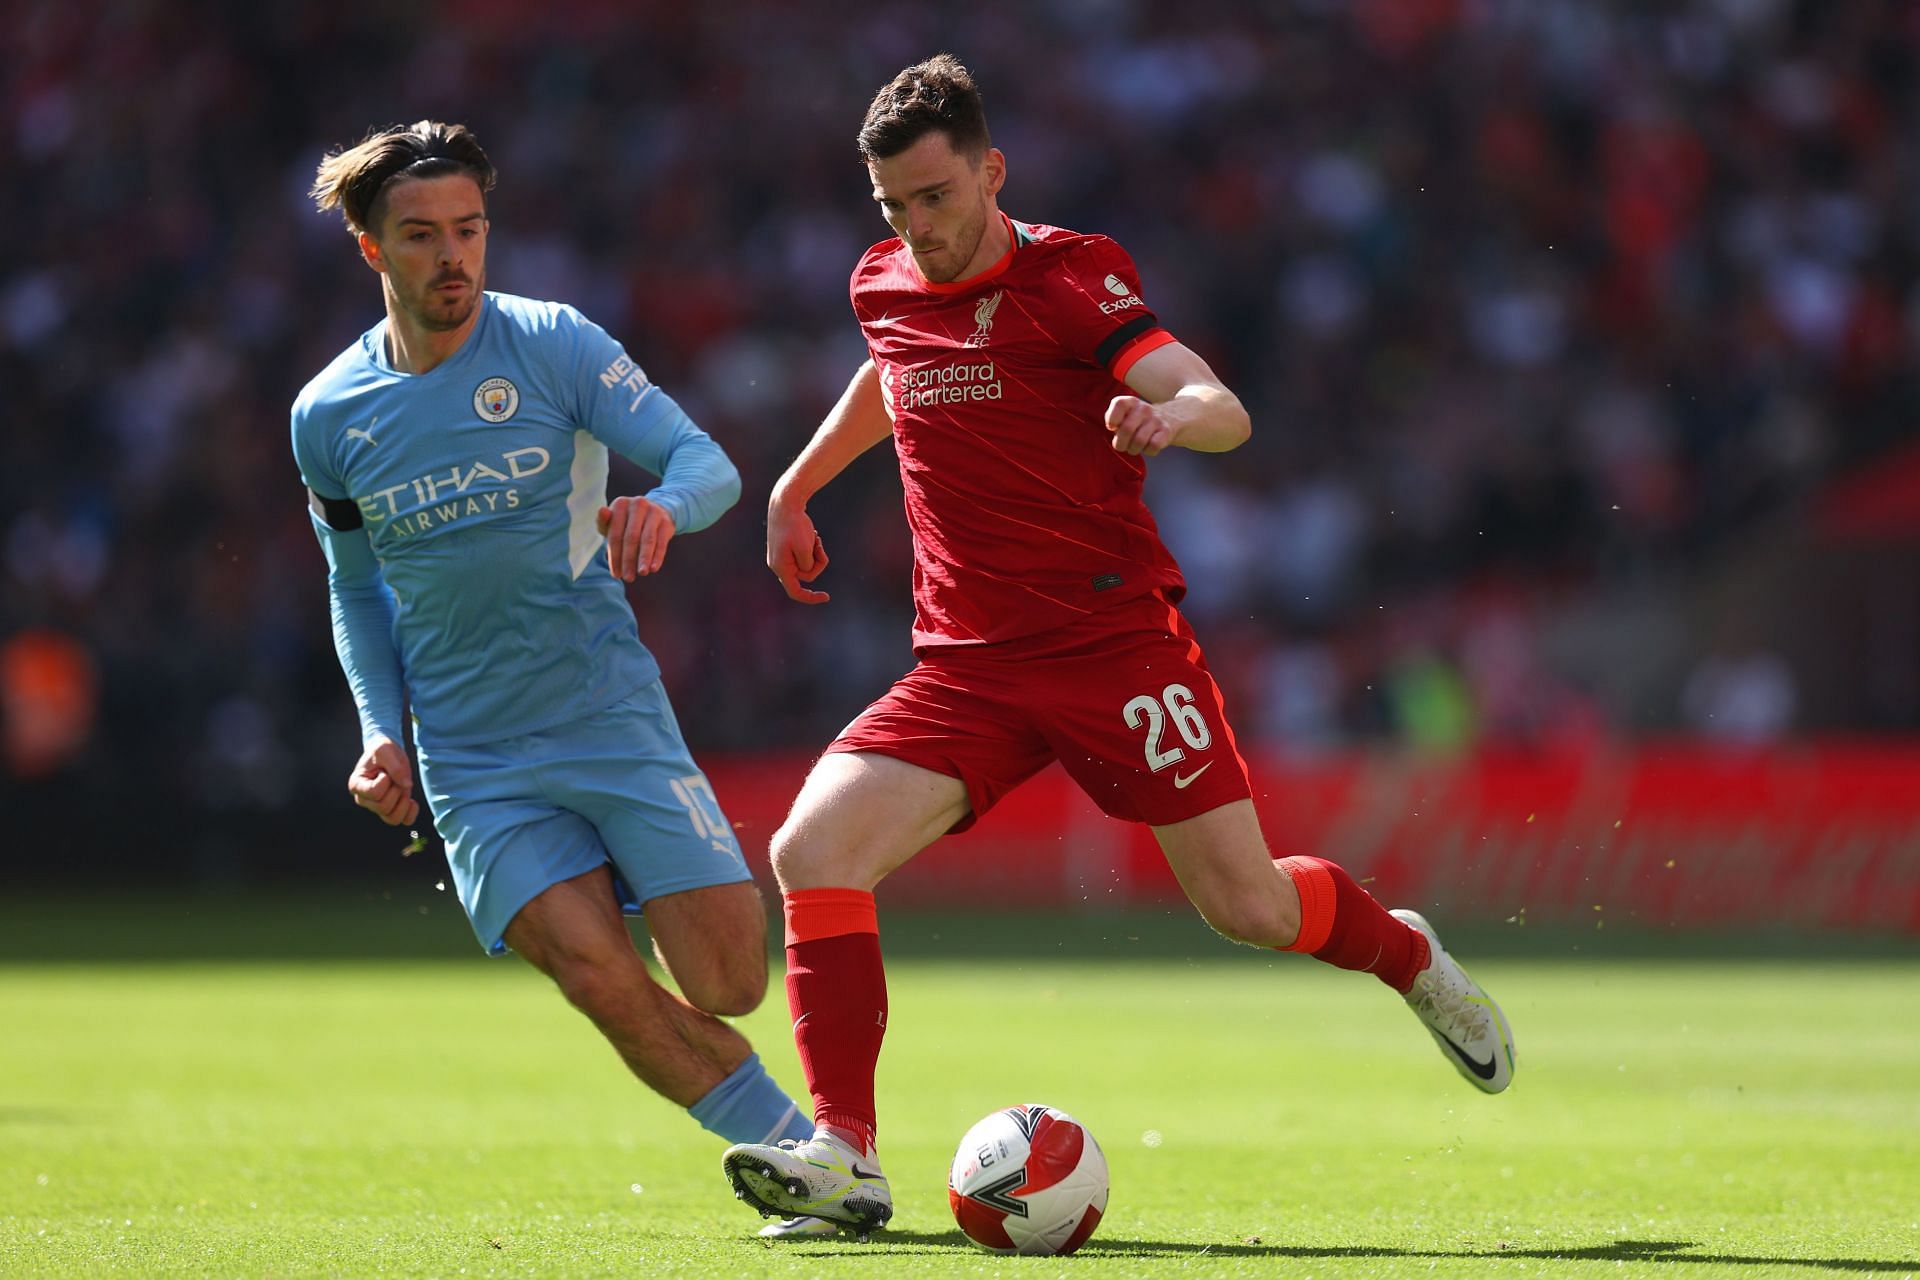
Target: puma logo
{"points": [[355, 433]]}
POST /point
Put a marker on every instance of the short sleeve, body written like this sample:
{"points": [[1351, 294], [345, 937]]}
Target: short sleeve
{"points": [[316, 466], [1097, 309]]}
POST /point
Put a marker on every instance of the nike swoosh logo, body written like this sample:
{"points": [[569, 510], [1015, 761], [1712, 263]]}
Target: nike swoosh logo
{"points": [[1181, 784], [853, 1167], [885, 322], [1483, 1070]]}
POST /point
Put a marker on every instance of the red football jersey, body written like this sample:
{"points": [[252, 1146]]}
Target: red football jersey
{"points": [[1024, 517]]}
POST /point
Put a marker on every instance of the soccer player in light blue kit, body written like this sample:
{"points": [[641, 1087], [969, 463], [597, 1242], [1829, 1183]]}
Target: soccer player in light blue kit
{"points": [[456, 464]]}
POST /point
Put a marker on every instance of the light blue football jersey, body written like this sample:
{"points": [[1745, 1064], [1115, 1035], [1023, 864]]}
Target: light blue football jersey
{"points": [[457, 511]]}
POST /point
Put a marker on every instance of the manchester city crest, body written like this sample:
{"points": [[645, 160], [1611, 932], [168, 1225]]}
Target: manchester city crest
{"points": [[496, 399]]}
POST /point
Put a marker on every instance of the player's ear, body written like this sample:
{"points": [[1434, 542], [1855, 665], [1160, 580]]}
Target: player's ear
{"points": [[993, 170], [370, 251]]}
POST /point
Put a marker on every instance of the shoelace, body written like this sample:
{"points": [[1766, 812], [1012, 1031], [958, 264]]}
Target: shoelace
{"points": [[792, 1144], [1465, 1020]]}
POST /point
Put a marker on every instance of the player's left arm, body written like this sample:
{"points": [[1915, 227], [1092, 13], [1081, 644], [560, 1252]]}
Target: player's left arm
{"points": [[1179, 402], [622, 408], [698, 482]]}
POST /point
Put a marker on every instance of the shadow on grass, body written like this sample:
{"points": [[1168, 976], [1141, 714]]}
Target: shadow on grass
{"points": [[1671, 1251]]}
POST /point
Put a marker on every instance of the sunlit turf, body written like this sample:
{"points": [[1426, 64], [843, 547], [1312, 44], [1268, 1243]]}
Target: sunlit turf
{"points": [[1262, 1116]]}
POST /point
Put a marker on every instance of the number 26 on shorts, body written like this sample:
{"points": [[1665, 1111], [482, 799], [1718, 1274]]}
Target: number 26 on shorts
{"points": [[1176, 701]]}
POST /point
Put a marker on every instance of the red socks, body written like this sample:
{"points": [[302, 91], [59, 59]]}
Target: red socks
{"points": [[837, 985], [1341, 924], [837, 993]]}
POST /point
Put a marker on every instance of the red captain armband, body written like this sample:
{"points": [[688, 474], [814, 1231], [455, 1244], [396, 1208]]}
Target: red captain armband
{"points": [[342, 515], [1122, 348]]}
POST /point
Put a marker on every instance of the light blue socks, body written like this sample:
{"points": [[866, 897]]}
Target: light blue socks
{"points": [[749, 1107]]}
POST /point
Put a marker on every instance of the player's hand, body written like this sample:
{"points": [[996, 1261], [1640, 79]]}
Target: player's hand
{"points": [[1139, 427], [636, 532], [794, 551], [383, 783]]}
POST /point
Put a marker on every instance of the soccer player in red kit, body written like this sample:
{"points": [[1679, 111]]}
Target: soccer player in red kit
{"points": [[1025, 383]]}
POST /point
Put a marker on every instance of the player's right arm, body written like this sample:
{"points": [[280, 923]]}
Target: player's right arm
{"points": [[854, 425], [362, 609]]}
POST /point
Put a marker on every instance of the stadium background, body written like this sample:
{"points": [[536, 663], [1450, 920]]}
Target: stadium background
{"points": [[1571, 568]]}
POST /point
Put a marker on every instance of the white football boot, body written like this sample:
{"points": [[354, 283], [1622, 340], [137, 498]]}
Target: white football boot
{"points": [[1460, 1015], [798, 1229], [820, 1178]]}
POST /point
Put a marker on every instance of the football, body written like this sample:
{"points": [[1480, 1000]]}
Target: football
{"points": [[1029, 1179]]}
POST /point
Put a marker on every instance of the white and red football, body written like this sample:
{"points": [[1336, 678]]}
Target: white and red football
{"points": [[1030, 1180]]}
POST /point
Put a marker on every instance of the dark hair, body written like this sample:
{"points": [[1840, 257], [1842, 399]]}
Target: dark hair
{"points": [[354, 180], [936, 94]]}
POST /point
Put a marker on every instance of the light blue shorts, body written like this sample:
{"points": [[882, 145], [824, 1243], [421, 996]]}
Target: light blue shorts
{"points": [[525, 813]]}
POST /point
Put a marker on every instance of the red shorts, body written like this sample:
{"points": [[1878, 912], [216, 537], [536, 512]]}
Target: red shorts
{"points": [[1123, 699]]}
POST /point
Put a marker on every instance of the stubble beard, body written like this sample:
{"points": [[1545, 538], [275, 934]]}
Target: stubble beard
{"points": [[972, 235], [442, 317]]}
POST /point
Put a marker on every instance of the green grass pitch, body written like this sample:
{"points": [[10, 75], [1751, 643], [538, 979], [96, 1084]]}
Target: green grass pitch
{"points": [[437, 1114]]}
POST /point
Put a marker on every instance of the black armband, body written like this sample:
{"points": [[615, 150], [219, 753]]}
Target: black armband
{"points": [[1103, 354], [341, 515]]}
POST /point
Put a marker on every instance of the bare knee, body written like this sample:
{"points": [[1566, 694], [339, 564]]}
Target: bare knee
{"points": [[734, 985], [1224, 865], [713, 943], [809, 854], [597, 985], [858, 817], [1259, 922], [794, 857], [573, 933]]}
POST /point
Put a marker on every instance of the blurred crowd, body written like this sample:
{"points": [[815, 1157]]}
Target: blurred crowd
{"points": [[1537, 306]]}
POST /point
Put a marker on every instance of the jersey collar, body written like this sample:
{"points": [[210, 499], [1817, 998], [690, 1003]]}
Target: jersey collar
{"points": [[374, 343], [1015, 238]]}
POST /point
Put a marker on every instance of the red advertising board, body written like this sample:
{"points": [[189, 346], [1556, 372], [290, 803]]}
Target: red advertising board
{"points": [[1824, 835]]}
